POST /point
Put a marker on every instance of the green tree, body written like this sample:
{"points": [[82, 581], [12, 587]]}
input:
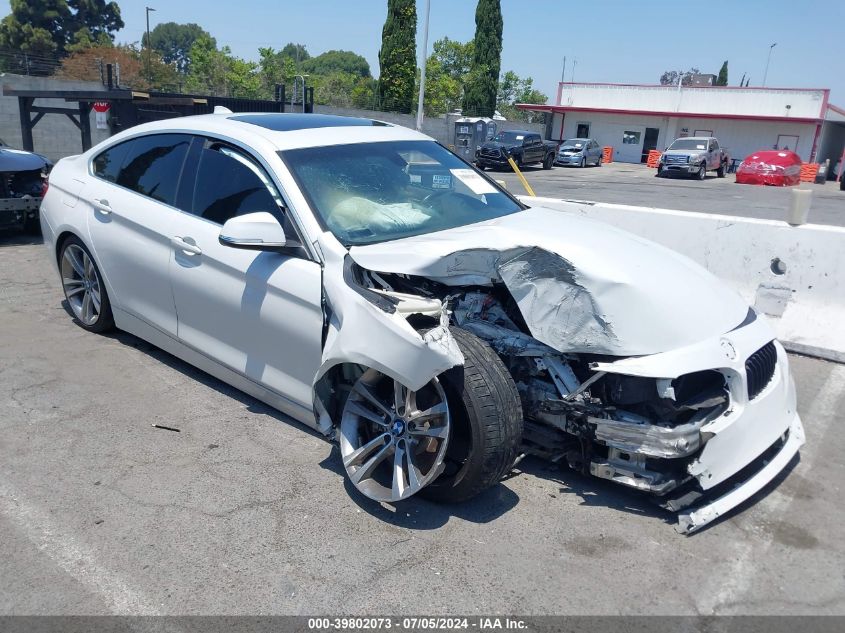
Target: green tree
{"points": [[670, 77], [275, 67], [483, 80], [44, 31], [97, 17], [398, 56], [454, 57], [209, 68], [336, 62], [512, 90], [722, 79], [173, 42], [296, 52]]}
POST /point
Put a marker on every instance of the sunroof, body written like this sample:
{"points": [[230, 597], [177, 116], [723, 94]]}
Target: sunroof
{"points": [[290, 122]]}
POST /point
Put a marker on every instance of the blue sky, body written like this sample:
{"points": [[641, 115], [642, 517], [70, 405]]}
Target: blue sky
{"points": [[626, 41]]}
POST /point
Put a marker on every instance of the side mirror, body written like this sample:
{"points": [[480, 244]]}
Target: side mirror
{"points": [[254, 231]]}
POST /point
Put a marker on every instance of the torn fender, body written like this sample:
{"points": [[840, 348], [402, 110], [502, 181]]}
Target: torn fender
{"points": [[361, 332], [582, 286]]}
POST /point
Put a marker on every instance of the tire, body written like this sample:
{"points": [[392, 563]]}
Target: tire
{"points": [[842, 183], [74, 280], [722, 170], [487, 422], [659, 173], [702, 172], [583, 163], [598, 162], [549, 162]]}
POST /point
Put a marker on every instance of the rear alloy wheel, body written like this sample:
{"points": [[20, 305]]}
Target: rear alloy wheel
{"points": [[598, 163], [393, 440], [549, 162], [84, 290], [702, 171], [722, 169]]}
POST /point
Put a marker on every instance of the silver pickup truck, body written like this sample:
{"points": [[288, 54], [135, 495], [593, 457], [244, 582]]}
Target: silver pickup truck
{"points": [[694, 156]]}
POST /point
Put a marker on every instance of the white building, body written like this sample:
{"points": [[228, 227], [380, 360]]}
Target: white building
{"points": [[636, 118]]}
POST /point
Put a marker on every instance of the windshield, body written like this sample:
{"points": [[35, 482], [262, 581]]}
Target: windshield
{"points": [[689, 143], [509, 137], [577, 143], [374, 192]]}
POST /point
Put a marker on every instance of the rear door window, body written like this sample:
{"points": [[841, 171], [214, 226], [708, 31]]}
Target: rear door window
{"points": [[153, 166]]}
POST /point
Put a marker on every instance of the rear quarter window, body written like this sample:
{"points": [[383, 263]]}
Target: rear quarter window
{"points": [[107, 164]]}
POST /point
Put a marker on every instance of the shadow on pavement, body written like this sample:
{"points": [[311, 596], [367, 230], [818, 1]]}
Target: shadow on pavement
{"points": [[418, 513]]}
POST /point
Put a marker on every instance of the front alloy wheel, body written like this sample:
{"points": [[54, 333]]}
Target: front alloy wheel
{"points": [[393, 440]]}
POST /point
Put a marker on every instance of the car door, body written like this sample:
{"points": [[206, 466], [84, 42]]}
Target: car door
{"points": [[714, 155], [130, 202], [258, 313], [537, 148]]}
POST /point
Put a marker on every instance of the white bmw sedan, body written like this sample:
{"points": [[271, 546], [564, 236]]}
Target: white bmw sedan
{"points": [[367, 282]]}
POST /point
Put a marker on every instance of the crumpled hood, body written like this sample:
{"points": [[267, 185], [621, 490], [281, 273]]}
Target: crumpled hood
{"points": [[581, 285]]}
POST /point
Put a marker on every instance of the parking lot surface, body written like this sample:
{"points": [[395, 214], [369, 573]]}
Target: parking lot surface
{"points": [[624, 183], [244, 512]]}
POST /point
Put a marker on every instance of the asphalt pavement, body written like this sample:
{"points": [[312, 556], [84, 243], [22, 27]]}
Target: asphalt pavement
{"points": [[242, 511], [625, 183]]}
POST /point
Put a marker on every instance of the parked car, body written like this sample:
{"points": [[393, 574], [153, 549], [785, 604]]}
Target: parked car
{"points": [[526, 148], [777, 168], [580, 152], [694, 156], [367, 282], [22, 183]]}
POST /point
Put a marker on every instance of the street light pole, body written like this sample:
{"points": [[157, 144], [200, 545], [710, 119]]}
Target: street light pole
{"points": [[768, 59], [421, 98], [149, 69]]}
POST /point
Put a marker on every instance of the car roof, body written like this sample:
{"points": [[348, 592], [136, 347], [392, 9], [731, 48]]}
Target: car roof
{"points": [[284, 131]]}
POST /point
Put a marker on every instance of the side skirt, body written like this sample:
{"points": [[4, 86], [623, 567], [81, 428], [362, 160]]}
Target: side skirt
{"points": [[143, 330]]}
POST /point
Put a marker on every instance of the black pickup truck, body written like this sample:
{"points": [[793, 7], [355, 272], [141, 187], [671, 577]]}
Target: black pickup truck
{"points": [[526, 148]]}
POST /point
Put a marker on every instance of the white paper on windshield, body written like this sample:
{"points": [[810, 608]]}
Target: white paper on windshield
{"points": [[519, 137], [474, 181]]}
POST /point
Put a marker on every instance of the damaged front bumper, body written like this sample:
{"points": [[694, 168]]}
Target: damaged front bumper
{"points": [[768, 466], [742, 450]]}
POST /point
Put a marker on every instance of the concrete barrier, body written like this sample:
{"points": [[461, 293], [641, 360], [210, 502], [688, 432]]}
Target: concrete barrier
{"points": [[795, 275]]}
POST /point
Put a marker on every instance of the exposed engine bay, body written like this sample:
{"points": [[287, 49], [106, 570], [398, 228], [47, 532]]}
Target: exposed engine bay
{"points": [[636, 431]]}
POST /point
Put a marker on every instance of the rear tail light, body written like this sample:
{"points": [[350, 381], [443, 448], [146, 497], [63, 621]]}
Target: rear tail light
{"points": [[45, 185]]}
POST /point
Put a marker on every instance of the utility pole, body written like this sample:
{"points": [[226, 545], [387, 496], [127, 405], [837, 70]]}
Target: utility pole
{"points": [[768, 59], [421, 98], [149, 68], [563, 70]]}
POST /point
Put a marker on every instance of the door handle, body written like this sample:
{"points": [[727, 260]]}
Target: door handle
{"points": [[102, 206], [187, 247]]}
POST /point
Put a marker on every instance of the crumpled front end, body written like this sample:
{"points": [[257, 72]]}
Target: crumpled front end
{"points": [[649, 374]]}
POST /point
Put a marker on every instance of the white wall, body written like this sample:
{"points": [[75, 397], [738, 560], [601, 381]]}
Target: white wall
{"points": [[741, 138], [702, 100]]}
